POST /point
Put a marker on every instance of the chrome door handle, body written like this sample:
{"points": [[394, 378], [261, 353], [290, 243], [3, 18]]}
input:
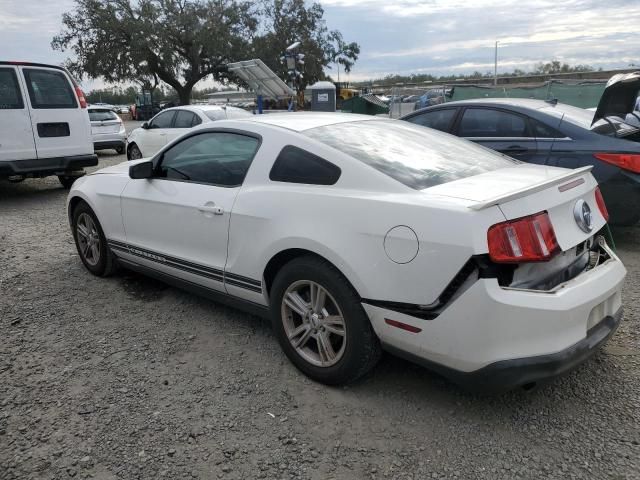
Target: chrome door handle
{"points": [[208, 209]]}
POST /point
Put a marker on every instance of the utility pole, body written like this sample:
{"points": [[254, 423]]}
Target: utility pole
{"points": [[495, 66]]}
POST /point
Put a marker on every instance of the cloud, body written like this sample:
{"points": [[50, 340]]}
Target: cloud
{"points": [[444, 36]]}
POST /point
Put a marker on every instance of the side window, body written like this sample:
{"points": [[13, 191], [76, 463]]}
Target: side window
{"points": [[438, 119], [218, 158], [49, 89], [10, 97], [163, 120], [295, 165], [540, 130], [481, 122], [184, 119], [196, 121]]}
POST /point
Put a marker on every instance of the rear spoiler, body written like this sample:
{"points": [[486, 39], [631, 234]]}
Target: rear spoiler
{"points": [[523, 192]]}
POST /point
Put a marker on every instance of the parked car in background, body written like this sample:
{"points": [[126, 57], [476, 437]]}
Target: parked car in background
{"points": [[44, 125], [107, 129], [355, 233], [550, 133], [170, 123]]}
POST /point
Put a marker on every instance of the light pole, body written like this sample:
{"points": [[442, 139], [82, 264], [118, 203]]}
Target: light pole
{"points": [[292, 58], [495, 66]]}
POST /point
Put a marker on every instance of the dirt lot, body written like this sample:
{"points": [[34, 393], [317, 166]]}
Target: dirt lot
{"points": [[128, 378]]}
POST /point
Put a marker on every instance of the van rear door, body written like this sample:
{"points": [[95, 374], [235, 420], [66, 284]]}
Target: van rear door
{"points": [[16, 135], [61, 126]]}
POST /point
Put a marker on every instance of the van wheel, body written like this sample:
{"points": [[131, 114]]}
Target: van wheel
{"points": [[67, 180], [133, 153], [320, 323], [91, 242], [120, 150]]}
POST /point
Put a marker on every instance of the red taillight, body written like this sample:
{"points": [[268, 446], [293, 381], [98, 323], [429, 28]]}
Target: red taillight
{"points": [[601, 205], [80, 95], [527, 239], [628, 161]]}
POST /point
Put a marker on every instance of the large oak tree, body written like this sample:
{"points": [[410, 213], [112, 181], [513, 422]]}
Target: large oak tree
{"points": [[178, 41], [181, 42]]}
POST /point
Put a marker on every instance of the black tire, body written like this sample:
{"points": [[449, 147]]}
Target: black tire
{"points": [[106, 262], [67, 180], [133, 152], [120, 150], [362, 349]]}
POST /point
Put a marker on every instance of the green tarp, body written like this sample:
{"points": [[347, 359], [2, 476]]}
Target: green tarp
{"points": [[584, 95]]}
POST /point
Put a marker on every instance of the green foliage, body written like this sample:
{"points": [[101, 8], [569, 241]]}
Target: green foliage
{"points": [[284, 22], [180, 42]]}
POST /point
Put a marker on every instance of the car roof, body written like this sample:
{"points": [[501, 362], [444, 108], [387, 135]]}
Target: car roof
{"points": [[301, 121], [202, 108], [511, 102]]}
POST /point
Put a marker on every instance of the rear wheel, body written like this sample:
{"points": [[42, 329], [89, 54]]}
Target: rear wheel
{"points": [[320, 323], [91, 242], [67, 180], [133, 153], [120, 150]]}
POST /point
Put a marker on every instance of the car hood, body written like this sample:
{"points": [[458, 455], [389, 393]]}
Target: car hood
{"points": [[619, 96], [120, 168]]}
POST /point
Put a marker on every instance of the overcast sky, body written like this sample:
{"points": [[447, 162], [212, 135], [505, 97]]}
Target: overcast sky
{"points": [[415, 36]]}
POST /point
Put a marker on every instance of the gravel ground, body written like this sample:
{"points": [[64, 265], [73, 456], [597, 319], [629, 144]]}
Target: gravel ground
{"points": [[128, 378]]}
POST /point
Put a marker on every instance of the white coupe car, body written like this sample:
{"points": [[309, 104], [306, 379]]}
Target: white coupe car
{"points": [[169, 124], [356, 234]]}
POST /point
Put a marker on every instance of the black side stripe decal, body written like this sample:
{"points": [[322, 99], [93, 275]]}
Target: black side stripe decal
{"points": [[190, 267]]}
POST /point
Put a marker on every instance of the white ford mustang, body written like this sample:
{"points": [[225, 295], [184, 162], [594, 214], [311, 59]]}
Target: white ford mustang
{"points": [[356, 233]]}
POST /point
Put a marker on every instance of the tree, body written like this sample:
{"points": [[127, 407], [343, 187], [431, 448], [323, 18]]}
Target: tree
{"points": [[179, 42], [341, 52], [287, 21]]}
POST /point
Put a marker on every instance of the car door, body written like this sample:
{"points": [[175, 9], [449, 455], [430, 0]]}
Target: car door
{"points": [[60, 122], [506, 132], [155, 136], [177, 222], [182, 123], [16, 134]]}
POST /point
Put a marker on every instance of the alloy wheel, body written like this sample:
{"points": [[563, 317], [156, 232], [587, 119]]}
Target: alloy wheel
{"points": [[88, 239], [313, 323]]}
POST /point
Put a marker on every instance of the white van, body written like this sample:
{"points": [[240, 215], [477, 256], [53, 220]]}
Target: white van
{"points": [[44, 124]]}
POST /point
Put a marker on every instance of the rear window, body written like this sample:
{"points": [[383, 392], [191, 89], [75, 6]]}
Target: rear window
{"points": [[233, 113], [10, 98], [49, 89], [215, 114], [102, 115], [414, 156], [295, 165]]}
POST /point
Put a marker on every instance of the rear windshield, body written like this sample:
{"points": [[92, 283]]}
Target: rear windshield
{"points": [[612, 126], [102, 115], [49, 89], [415, 156]]}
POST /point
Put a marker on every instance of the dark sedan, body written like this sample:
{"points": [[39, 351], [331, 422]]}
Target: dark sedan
{"points": [[551, 133]]}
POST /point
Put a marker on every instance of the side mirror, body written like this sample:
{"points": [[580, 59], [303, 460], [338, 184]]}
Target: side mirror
{"points": [[141, 170], [145, 125]]}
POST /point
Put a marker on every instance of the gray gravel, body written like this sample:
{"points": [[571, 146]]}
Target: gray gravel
{"points": [[128, 378]]}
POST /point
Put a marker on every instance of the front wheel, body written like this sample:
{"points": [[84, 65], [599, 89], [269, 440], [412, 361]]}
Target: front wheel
{"points": [[133, 152], [119, 150], [320, 323], [91, 242]]}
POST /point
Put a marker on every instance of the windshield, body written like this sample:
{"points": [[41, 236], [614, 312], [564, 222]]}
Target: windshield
{"points": [[101, 115], [417, 157]]}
